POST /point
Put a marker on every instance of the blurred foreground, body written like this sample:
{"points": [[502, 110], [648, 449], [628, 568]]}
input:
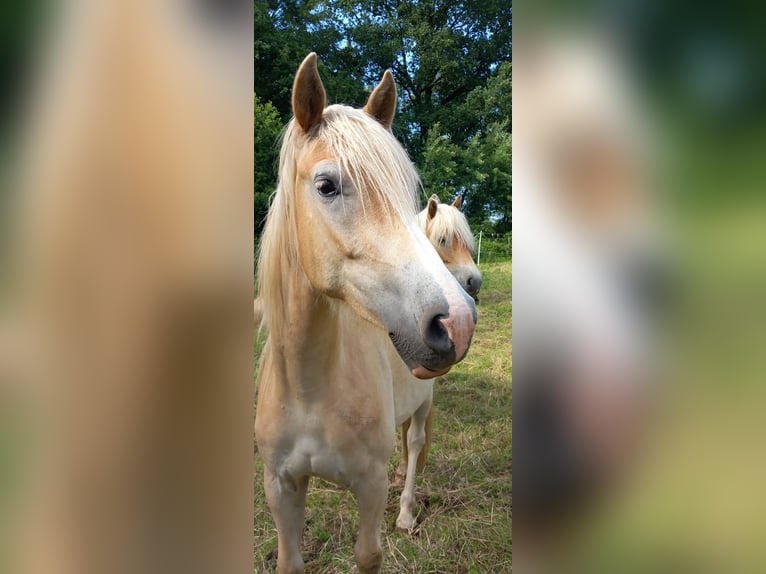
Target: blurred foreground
{"points": [[639, 273], [126, 317]]}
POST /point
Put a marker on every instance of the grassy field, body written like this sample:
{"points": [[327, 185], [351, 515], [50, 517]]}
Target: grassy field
{"points": [[464, 492]]}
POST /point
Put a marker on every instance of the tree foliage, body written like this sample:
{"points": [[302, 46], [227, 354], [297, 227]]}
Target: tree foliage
{"points": [[479, 170], [267, 126], [285, 32], [451, 60]]}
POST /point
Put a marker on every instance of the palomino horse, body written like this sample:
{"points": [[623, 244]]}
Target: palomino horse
{"points": [[447, 229], [343, 272]]}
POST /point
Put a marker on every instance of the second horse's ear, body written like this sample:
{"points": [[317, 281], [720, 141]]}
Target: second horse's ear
{"points": [[458, 203], [433, 203], [381, 104], [309, 97]]}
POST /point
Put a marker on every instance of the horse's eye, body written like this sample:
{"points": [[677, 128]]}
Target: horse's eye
{"points": [[326, 187], [442, 240]]}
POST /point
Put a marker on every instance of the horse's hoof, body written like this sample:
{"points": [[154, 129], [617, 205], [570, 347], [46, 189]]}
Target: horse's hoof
{"points": [[370, 564], [406, 523]]}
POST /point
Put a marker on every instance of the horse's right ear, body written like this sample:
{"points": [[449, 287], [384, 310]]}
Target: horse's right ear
{"points": [[381, 104], [433, 203], [309, 97]]}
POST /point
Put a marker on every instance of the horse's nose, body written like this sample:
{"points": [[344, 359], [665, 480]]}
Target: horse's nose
{"points": [[447, 330], [436, 336], [473, 284]]}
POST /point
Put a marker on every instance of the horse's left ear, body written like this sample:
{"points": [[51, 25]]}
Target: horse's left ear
{"points": [[433, 204], [309, 97], [381, 104], [458, 203]]}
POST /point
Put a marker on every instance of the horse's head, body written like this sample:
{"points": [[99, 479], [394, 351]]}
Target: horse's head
{"points": [[448, 230], [348, 192]]}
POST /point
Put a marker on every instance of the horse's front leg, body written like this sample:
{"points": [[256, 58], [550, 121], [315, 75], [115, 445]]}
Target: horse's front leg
{"points": [[415, 439], [287, 501], [371, 492], [401, 470]]}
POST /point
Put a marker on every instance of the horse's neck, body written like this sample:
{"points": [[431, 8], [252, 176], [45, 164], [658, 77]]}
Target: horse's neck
{"points": [[307, 342]]}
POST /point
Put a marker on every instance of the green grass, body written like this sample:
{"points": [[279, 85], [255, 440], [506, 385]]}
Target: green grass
{"points": [[464, 492]]}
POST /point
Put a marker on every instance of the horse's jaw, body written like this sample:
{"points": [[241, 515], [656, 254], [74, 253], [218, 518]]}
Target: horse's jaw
{"points": [[418, 370]]}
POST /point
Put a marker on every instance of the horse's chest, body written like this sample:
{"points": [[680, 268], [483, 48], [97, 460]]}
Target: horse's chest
{"points": [[340, 461], [312, 457], [333, 426]]}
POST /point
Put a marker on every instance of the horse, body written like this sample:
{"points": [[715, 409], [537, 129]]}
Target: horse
{"points": [[347, 280], [448, 231]]}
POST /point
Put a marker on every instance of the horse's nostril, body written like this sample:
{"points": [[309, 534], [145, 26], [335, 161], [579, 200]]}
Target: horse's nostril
{"points": [[436, 336], [473, 285]]}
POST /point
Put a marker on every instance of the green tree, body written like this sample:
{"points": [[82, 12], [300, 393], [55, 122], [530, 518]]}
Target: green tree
{"points": [[440, 165], [489, 193], [267, 126], [285, 32], [452, 64], [439, 52], [480, 171]]}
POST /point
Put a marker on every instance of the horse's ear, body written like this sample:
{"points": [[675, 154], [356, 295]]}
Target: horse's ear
{"points": [[433, 203], [381, 104], [458, 203], [309, 97]]}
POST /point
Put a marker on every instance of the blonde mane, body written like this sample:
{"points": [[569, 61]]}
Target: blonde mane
{"points": [[448, 223], [368, 154]]}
